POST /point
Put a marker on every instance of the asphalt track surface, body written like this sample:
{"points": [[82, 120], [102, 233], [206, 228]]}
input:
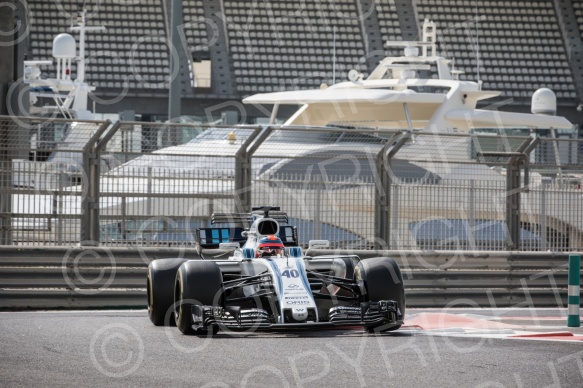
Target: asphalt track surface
{"points": [[122, 348]]}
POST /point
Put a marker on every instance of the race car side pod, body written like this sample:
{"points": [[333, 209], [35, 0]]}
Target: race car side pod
{"points": [[573, 319]]}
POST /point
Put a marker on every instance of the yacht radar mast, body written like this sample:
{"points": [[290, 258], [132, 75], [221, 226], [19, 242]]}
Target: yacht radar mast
{"points": [[428, 45], [69, 96], [82, 28]]}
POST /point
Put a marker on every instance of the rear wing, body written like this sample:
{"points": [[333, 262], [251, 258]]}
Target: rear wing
{"points": [[246, 218], [210, 238], [278, 216], [237, 222], [231, 218]]}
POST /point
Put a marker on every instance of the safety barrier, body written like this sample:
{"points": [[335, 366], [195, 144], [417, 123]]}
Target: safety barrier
{"points": [[76, 278]]}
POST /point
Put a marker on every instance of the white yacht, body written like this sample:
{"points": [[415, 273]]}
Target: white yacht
{"points": [[418, 92], [394, 96]]}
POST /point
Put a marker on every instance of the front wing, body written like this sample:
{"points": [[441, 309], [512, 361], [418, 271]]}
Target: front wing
{"points": [[384, 313]]}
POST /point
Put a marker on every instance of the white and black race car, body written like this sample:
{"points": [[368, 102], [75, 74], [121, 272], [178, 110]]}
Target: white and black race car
{"points": [[268, 283]]}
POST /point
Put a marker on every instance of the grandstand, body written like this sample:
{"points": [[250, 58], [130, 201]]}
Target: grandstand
{"points": [[280, 46], [265, 46], [521, 48]]}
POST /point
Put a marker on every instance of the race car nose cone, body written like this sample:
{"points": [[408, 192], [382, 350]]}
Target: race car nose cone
{"points": [[300, 314]]}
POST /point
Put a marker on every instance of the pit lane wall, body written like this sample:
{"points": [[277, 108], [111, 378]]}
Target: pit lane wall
{"points": [[102, 277]]}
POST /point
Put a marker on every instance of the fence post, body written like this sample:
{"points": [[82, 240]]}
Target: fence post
{"points": [[514, 189], [243, 168], [61, 179], [6, 184], [381, 204], [382, 219], [149, 192], [90, 185], [543, 215], [318, 207], [471, 228], [513, 204], [395, 218]]}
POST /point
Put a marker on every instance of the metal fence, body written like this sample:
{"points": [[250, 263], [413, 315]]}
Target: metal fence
{"points": [[129, 183]]}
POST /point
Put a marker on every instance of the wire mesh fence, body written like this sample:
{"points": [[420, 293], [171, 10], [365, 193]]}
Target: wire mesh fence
{"points": [[338, 210], [468, 214], [162, 192], [157, 183], [42, 178]]}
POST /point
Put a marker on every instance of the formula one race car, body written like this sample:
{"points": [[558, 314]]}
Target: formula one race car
{"points": [[269, 284]]}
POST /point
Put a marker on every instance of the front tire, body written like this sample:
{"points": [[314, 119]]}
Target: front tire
{"points": [[197, 283], [160, 290], [382, 280]]}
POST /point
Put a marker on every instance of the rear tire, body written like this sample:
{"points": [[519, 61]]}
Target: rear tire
{"points": [[382, 280], [197, 283], [160, 290]]}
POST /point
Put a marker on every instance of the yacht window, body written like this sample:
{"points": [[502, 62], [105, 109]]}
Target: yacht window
{"points": [[311, 137], [519, 131], [352, 137]]}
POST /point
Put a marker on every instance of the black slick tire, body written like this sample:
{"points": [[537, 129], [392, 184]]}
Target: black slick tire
{"points": [[160, 290], [197, 283], [382, 280]]}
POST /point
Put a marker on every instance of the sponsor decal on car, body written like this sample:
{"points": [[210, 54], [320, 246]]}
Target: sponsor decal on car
{"points": [[295, 292], [297, 302]]}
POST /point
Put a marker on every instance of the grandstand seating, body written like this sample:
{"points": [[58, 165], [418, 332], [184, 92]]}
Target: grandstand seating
{"points": [[389, 24], [578, 7], [282, 44], [195, 28], [520, 44]]}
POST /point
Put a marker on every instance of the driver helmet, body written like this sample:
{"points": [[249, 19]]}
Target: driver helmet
{"points": [[269, 246]]}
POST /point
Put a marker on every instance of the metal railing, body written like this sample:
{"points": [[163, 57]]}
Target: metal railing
{"points": [[153, 184], [68, 277]]}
